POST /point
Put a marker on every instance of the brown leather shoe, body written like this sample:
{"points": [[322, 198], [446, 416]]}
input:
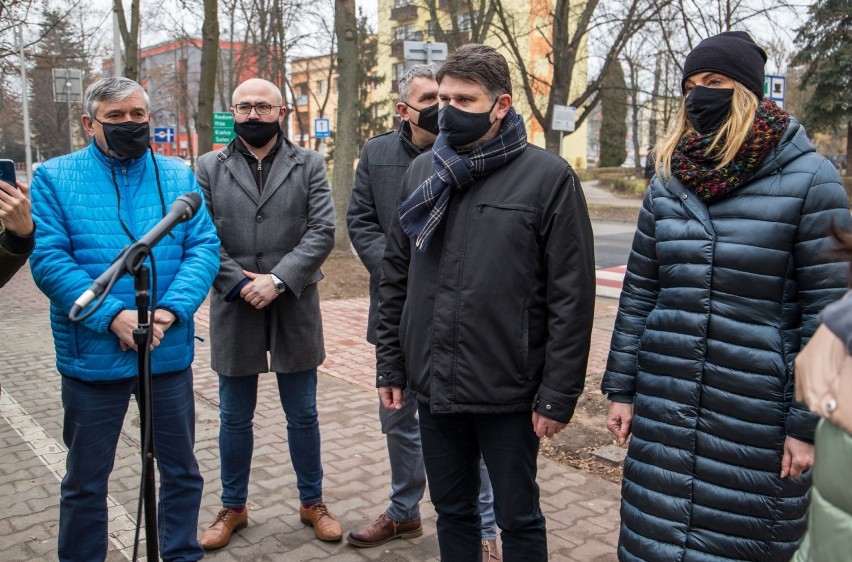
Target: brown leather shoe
{"points": [[326, 527], [489, 551], [384, 529], [227, 523]]}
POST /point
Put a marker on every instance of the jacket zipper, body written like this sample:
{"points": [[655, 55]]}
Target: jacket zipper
{"points": [[260, 175]]}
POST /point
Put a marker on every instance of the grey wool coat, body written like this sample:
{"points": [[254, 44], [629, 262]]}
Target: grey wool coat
{"points": [[288, 231]]}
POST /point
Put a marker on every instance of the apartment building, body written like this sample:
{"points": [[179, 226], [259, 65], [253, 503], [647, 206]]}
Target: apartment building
{"points": [[170, 73]]}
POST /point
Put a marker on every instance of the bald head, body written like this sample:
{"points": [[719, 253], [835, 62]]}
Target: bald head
{"points": [[256, 87]]}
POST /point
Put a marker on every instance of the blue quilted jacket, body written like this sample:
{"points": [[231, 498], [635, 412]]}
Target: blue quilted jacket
{"points": [[717, 301], [79, 213]]}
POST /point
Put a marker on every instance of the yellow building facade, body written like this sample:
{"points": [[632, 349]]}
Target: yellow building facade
{"points": [[532, 21], [314, 95]]}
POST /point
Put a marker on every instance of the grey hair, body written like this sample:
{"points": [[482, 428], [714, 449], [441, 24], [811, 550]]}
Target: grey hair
{"points": [[116, 88], [416, 71]]}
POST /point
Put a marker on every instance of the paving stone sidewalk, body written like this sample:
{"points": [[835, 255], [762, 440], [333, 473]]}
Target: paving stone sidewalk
{"points": [[581, 510]]}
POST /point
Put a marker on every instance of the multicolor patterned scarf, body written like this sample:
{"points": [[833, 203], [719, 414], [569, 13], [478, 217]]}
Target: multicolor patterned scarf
{"points": [[696, 170], [424, 209]]}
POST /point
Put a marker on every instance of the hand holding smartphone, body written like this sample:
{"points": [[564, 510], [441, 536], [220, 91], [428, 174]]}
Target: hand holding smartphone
{"points": [[15, 207], [7, 172]]}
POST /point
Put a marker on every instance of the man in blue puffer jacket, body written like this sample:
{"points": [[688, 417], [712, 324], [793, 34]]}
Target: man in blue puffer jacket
{"points": [[87, 206]]}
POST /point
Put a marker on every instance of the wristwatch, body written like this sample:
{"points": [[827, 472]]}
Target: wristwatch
{"points": [[280, 287]]}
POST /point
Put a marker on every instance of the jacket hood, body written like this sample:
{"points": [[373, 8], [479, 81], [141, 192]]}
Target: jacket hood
{"points": [[793, 143]]}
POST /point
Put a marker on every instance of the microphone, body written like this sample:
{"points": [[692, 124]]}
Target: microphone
{"points": [[183, 209]]}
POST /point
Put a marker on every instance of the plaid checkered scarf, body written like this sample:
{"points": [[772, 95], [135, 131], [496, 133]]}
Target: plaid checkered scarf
{"points": [[423, 211]]}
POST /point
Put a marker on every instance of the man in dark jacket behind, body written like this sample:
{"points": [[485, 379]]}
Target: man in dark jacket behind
{"points": [[375, 198], [486, 306]]}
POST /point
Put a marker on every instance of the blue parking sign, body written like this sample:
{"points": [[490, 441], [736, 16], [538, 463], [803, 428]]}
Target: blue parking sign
{"points": [[164, 134], [322, 128]]}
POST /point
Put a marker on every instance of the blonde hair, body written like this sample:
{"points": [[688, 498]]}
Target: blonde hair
{"points": [[728, 139]]}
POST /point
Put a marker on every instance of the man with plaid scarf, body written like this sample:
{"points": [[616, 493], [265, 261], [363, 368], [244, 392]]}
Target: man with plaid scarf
{"points": [[486, 306]]}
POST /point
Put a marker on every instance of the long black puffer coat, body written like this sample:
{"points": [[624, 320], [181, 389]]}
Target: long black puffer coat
{"points": [[717, 301]]}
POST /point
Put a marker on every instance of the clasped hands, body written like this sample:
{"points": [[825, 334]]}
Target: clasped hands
{"points": [[126, 321]]}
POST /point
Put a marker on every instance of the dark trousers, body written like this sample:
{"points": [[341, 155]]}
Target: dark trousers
{"points": [[452, 444], [94, 414]]}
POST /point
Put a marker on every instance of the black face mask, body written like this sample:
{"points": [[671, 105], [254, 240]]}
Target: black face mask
{"points": [[127, 140], [707, 108], [428, 118], [461, 128], [257, 133]]}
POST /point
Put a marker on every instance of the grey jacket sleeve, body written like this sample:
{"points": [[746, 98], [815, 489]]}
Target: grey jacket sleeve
{"points": [[230, 272], [837, 317], [298, 267]]}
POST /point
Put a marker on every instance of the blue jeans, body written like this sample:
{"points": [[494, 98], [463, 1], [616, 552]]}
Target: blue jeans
{"points": [[237, 401], [408, 476], [94, 413], [452, 444]]}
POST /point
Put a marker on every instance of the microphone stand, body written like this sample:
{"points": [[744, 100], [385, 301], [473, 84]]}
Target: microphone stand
{"points": [[142, 339]]}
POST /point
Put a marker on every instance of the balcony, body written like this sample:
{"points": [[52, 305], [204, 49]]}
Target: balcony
{"points": [[302, 100], [404, 13]]}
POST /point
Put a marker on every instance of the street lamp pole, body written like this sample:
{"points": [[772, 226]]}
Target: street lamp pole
{"points": [[25, 103], [68, 100]]}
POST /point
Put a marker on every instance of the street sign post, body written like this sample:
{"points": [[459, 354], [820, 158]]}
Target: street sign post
{"points": [[164, 134], [68, 87], [775, 88], [223, 127], [564, 117], [564, 121], [322, 128], [424, 52]]}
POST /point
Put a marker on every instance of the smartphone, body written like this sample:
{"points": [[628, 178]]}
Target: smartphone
{"points": [[7, 171]]}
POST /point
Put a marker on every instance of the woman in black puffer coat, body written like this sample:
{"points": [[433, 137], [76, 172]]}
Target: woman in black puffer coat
{"points": [[728, 273]]}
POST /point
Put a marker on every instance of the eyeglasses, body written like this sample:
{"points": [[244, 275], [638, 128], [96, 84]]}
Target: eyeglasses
{"points": [[259, 108]]}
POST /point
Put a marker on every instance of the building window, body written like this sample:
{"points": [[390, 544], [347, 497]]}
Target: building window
{"points": [[463, 22], [407, 33], [402, 3], [320, 87], [430, 28], [398, 70]]}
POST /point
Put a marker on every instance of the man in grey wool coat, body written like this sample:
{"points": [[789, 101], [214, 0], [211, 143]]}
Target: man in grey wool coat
{"points": [[273, 210]]}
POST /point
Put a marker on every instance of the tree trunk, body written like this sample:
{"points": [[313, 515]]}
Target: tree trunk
{"points": [[346, 133], [207, 81], [848, 148], [130, 37]]}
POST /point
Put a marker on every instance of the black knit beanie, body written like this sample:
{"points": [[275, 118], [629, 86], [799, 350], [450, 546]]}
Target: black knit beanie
{"points": [[732, 53]]}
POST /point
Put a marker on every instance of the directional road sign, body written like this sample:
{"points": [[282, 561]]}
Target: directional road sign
{"points": [[223, 127], [164, 134], [322, 128]]}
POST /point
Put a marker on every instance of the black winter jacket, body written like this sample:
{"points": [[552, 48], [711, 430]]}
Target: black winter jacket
{"points": [[717, 301], [375, 199], [496, 316]]}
